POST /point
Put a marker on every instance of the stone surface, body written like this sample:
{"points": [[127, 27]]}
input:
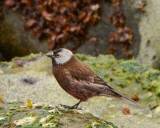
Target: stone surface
{"points": [[102, 30], [149, 29], [14, 41], [41, 118]]}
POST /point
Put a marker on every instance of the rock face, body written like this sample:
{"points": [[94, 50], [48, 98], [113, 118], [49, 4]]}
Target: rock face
{"points": [[14, 41], [149, 29], [146, 28], [17, 114], [145, 25]]}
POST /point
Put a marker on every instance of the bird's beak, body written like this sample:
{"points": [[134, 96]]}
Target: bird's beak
{"points": [[49, 55]]}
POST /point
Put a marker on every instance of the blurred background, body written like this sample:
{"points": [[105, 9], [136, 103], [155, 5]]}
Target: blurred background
{"points": [[123, 28]]}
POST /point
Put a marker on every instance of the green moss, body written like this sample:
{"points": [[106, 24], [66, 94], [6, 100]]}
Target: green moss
{"points": [[34, 117], [29, 114], [10, 114], [2, 108], [14, 102], [4, 121], [99, 124], [132, 67], [31, 56], [48, 107], [23, 59], [5, 64], [71, 120]]}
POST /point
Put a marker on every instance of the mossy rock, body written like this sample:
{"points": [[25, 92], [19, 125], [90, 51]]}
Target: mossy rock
{"points": [[17, 114]]}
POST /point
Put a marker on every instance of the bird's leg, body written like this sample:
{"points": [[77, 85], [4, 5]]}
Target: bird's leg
{"points": [[72, 107], [76, 105]]}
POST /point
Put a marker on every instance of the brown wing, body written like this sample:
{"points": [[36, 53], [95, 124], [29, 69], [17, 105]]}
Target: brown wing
{"points": [[82, 72], [98, 80]]}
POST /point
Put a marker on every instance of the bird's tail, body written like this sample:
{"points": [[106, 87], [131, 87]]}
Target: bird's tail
{"points": [[112, 93]]}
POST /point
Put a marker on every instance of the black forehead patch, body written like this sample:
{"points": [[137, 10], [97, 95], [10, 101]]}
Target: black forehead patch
{"points": [[57, 51]]}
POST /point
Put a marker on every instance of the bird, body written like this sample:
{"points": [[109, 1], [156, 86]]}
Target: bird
{"points": [[78, 80]]}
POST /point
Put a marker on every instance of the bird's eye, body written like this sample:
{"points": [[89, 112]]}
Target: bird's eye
{"points": [[57, 55]]}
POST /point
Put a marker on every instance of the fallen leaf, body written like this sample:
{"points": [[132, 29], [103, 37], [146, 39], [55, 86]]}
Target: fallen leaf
{"points": [[141, 6], [1, 98], [30, 23], [29, 103], [135, 97], [47, 15], [126, 111]]}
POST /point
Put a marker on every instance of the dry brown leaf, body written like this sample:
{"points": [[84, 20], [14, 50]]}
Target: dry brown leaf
{"points": [[135, 97], [126, 111], [31, 23], [141, 6], [47, 15]]}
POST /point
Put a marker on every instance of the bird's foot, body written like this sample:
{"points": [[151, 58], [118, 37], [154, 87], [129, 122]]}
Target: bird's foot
{"points": [[70, 107]]}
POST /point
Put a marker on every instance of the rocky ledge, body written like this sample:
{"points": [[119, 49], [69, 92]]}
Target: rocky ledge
{"points": [[38, 115]]}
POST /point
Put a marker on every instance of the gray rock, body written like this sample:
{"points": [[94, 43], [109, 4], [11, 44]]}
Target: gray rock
{"points": [[103, 29], [149, 29], [14, 41]]}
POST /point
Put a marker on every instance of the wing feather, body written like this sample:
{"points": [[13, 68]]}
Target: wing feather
{"points": [[84, 73]]}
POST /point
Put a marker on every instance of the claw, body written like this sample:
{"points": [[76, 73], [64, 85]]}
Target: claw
{"points": [[67, 106], [72, 107]]}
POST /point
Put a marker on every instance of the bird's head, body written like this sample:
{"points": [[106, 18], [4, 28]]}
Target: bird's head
{"points": [[60, 56]]}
